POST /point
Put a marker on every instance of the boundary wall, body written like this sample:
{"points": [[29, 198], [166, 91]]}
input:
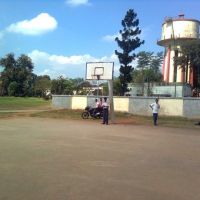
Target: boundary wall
{"points": [[183, 107]]}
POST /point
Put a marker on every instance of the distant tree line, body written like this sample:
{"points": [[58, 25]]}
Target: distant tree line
{"points": [[17, 79]]}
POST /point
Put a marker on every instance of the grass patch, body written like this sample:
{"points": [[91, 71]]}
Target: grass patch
{"points": [[167, 121], [135, 118], [23, 103], [178, 122]]}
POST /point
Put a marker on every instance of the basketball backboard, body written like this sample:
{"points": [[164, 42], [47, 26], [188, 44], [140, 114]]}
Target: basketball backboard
{"points": [[99, 70]]}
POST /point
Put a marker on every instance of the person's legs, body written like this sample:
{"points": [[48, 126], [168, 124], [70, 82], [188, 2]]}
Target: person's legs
{"points": [[104, 116], [155, 118]]}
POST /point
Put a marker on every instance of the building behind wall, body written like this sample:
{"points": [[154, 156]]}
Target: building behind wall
{"points": [[161, 90]]}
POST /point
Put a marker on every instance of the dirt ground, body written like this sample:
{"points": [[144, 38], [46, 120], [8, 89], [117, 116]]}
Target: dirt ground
{"points": [[51, 159]]}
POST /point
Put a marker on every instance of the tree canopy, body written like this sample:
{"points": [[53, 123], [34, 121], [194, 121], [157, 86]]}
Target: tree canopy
{"points": [[16, 77], [148, 67]]}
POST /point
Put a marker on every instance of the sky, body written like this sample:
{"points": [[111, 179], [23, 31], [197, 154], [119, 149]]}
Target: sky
{"points": [[60, 36]]}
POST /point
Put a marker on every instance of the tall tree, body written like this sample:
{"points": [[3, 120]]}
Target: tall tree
{"points": [[77, 82], [8, 74], [128, 42], [148, 67], [62, 85], [144, 59], [116, 87], [156, 62], [24, 76], [58, 85], [41, 85], [16, 77]]}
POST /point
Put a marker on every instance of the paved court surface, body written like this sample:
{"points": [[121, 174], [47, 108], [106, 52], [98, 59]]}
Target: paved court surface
{"points": [[47, 159]]}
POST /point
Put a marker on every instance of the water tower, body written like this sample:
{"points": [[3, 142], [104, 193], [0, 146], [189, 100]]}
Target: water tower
{"points": [[175, 33]]}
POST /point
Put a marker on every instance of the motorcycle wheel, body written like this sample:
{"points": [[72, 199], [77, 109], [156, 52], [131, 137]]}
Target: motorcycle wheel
{"points": [[85, 115]]}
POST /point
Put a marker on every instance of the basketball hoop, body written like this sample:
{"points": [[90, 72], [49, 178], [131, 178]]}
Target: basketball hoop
{"points": [[102, 71], [99, 70]]}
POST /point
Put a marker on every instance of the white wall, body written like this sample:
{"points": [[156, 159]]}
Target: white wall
{"points": [[184, 107]]}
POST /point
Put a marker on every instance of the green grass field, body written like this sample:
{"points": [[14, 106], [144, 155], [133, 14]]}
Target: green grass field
{"points": [[23, 103], [37, 107]]}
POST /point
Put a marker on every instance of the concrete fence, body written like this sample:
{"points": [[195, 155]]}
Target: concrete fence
{"points": [[183, 107]]}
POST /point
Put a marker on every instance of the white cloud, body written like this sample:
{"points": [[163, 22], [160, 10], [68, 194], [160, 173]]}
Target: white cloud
{"points": [[68, 66], [75, 3], [41, 24], [110, 38], [73, 60]]}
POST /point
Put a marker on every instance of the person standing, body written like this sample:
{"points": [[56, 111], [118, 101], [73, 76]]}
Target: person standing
{"points": [[155, 108], [97, 103], [100, 109], [96, 109], [105, 111]]}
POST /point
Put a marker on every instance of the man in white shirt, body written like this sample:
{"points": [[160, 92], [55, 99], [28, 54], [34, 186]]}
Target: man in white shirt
{"points": [[97, 103], [155, 108], [97, 108]]}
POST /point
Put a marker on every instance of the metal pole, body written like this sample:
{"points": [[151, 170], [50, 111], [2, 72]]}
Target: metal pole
{"points": [[110, 87], [97, 88], [175, 75], [98, 77], [175, 90]]}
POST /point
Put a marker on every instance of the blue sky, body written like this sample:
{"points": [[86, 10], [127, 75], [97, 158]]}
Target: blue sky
{"points": [[60, 36]]}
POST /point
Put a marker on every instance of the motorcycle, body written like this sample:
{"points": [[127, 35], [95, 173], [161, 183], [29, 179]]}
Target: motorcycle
{"points": [[92, 112]]}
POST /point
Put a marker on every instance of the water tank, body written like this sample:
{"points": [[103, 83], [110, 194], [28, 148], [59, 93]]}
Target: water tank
{"points": [[176, 33], [179, 29]]}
